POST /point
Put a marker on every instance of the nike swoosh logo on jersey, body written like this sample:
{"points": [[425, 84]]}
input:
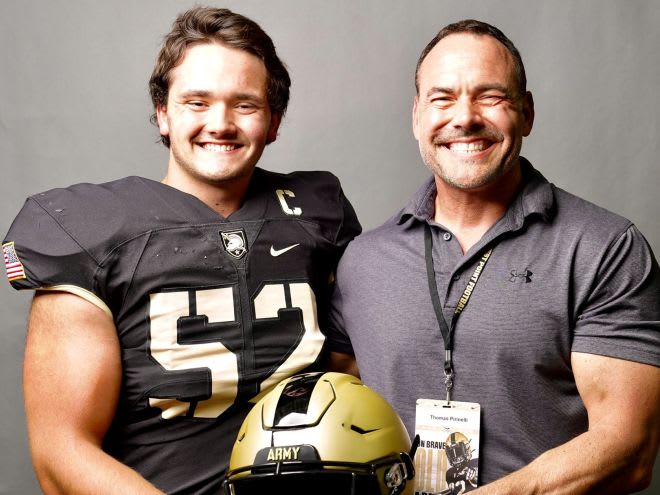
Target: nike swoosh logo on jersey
{"points": [[277, 252]]}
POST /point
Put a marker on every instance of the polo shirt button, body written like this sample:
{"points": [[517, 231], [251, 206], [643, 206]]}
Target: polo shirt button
{"points": [[446, 236]]}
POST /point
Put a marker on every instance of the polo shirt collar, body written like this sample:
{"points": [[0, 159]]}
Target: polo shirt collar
{"points": [[535, 198]]}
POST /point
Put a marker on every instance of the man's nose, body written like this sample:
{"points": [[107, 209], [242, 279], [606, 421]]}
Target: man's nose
{"points": [[220, 119], [466, 114]]}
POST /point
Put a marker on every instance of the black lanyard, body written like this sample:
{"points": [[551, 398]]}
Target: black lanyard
{"points": [[448, 331]]}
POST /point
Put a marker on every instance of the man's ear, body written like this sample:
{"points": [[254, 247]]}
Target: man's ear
{"points": [[275, 120], [528, 113], [415, 117], [161, 118]]}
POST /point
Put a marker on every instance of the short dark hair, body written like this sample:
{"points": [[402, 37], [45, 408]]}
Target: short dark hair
{"points": [[212, 25], [477, 28]]}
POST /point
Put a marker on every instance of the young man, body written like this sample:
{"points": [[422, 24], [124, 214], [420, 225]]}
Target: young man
{"points": [[539, 306], [162, 309]]}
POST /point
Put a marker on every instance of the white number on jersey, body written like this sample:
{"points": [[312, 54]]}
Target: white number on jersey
{"points": [[218, 306]]}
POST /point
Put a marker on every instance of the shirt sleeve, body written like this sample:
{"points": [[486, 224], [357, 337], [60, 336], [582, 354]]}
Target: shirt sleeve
{"points": [[621, 315], [41, 255]]}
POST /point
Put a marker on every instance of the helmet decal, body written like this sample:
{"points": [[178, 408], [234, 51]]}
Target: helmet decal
{"points": [[293, 404]]}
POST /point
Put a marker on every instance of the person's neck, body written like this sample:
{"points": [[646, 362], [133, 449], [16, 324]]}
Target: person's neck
{"points": [[468, 214], [224, 198]]}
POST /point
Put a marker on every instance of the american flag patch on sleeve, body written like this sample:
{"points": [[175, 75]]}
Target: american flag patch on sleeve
{"points": [[15, 270]]}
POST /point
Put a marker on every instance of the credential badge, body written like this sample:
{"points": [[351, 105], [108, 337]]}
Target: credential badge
{"points": [[235, 243]]}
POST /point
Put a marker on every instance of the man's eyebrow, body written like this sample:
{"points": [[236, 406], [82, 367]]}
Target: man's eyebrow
{"points": [[494, 87], [203, 93], [249, 97], [438, 89], [195, 93]]}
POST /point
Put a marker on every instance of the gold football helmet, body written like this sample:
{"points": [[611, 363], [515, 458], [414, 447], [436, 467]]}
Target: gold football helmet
{"points": [[458, 450], [321, 433]]}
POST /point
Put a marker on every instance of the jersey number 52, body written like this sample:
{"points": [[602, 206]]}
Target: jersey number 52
{"points": [[217, 305]]}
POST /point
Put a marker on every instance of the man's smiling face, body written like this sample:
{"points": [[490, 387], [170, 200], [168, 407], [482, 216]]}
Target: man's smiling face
{"points": [[217, 115], [468, 116]]}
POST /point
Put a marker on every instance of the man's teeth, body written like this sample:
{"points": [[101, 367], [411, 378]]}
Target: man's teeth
{"points": [[473, 147], [220, 147]]}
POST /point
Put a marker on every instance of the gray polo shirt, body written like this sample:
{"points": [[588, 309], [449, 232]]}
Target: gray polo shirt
{"points": [[565, 275]]}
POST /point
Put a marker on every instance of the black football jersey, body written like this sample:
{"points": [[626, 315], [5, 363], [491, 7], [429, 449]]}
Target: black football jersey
{"points": [[209, 311]]}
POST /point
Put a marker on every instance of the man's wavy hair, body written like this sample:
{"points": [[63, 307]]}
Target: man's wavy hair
{"points": [[478, 28], [212, 25]]}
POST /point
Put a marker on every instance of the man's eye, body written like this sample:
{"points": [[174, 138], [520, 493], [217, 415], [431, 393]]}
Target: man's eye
{"points": [[245, 107], [196, 105], [491, 99], [441, 101]]}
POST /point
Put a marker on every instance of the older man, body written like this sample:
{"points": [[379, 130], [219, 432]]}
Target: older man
{"points": [[493, 286]]}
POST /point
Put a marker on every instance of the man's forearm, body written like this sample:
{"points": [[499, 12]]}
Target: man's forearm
{"points": [[86, 469], [595, 462]]}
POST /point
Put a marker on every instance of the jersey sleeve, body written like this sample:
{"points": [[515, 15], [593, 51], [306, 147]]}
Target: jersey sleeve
{"points": [[328, 206], [341, 225], [40, 254], [350, 226], [621, 316]]}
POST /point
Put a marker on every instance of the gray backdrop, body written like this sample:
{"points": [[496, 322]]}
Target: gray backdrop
{"points": [[74, 107]]}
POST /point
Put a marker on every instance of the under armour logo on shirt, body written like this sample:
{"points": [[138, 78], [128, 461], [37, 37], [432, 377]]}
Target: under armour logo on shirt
{"points": [[525, 276]]}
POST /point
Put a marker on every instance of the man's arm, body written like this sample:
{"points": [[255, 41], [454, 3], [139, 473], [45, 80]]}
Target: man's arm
{"points": [[72, 379], [616, 454], [341, 363]]}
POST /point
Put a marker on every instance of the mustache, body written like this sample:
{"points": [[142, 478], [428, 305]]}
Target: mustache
{"points": [[447, 136]]}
